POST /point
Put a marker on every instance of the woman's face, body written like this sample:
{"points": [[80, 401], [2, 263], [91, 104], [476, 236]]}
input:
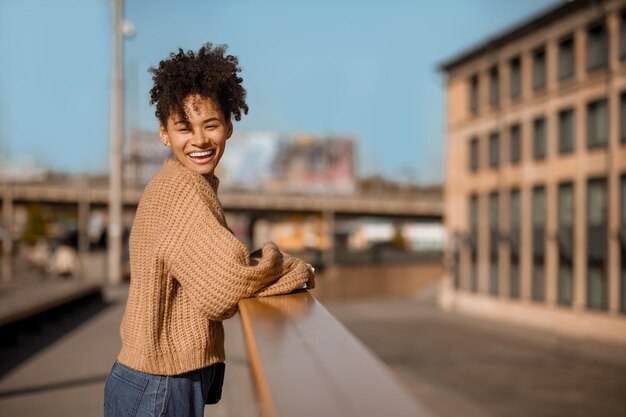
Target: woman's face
{"points": [[198, 138]]}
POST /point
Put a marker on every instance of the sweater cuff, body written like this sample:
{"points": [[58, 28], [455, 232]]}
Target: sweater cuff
{"points": [[293, 280]]}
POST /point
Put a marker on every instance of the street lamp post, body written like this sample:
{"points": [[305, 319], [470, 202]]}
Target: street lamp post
{"points": [[114, 241]]}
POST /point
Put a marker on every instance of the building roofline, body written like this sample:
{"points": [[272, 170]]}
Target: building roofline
{"points": [[526, 26]]}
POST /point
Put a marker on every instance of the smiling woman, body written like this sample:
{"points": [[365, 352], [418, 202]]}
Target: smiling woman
{"points": [[188, 271]]}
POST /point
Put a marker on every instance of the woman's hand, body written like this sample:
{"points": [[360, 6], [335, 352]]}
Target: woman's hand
{"points": [[311, 282]]}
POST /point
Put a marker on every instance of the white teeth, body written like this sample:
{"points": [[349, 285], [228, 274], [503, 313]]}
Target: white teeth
{"points": [[200, 154]]}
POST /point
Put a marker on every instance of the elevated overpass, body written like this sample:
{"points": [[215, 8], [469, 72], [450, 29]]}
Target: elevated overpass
{"points": [[427, 205]]}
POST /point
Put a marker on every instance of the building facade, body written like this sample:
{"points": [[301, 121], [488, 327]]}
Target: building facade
{"points": [[536, 173]]}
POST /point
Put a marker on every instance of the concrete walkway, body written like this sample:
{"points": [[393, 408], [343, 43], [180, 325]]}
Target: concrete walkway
{"points": [[66, 378]]}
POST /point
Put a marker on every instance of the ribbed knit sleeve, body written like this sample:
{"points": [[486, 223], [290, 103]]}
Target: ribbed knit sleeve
{"points": [[212, 266]]}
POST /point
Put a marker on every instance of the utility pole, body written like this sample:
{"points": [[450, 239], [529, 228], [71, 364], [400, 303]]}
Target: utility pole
{"points": [[7, 237], [114, 241], [7, 213]]}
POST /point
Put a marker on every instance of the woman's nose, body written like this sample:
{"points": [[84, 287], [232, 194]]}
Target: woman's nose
{"points": [[200, 138]]}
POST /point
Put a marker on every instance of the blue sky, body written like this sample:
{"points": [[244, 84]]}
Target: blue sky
{"points": [[360, 68]]}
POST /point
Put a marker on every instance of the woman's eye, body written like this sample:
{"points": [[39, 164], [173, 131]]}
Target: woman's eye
{"points": [[211, 127]]}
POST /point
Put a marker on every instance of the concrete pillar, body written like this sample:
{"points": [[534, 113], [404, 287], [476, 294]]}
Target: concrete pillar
{"points": [[580, 44], [83, 230], [526, 75], [551, 226], [503, 89], [252, 219], [329, 222], [613, 162], [579, 295], [7, 237]]}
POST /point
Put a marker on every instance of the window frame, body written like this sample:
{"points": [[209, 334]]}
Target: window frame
{"points": [[538, 87], [515, 68], [600, 261], [515, 157], [494, 157], [543, 121], [603, 63], [538, 294], [474, 95], [494, 86], [562, 75], [572, 130], [474, 154], [622, 226], [593, 106], [474, 224], [494, 244], [622, 35], [566, 221], [622, 117]]}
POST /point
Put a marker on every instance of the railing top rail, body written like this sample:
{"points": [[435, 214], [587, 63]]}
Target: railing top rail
{"points": [[305, 363]]}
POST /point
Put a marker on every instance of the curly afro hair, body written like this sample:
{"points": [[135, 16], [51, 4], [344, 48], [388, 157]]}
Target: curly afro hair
{"points": [[208, 73]]}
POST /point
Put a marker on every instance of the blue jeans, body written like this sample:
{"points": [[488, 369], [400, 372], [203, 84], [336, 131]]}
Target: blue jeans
{"points": [[130, 393]]}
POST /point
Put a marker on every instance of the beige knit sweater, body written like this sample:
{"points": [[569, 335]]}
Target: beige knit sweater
{"points": [[188, 272]]}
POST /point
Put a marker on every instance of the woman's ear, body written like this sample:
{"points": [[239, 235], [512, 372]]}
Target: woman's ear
{"points": [[163, 135], [229, 129]]}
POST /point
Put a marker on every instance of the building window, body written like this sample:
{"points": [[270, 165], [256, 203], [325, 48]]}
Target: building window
{"points": [[622, 117], [494, 150], [622, 209], [494, 231], [622, 35], [474, 243], [566, 204], [516, 143], [539, 69], [514, 239], [622, 239], [494, 87], [567, 138], [539, 138], [597, 239], [473, 154], [566, 59], [566, 243], [538, 244], [597, 123], [473, 82], [597, 46], [515, 80]]}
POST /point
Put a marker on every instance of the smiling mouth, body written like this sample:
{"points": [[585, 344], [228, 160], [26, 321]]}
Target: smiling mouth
{"points": [[201, 157]]}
